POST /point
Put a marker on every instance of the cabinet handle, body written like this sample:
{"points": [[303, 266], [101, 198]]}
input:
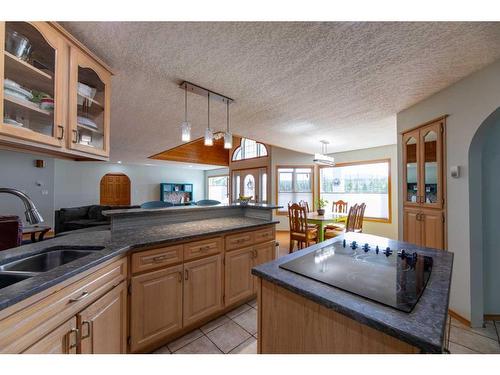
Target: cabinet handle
{"points": [[186, 274], [62, 132], [205, 248], [179, 278], [159, 258], [240, 240], [75, 136], [79, 298], [75, 344], [89, 330], [255, 254]]}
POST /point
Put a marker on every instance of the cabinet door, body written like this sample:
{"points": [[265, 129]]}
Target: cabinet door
{"points": [[263, 253], [412, 191], [431, 164], [202, 288], [62, 340], [28, 75], [156, 306], [238, 277], [412, 231], [103, 324], [89, 105], [432, 229]]}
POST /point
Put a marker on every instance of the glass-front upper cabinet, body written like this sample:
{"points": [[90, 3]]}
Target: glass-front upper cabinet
{"points": [[431, 165], [33, 63], [411, 170], [89, 103], [423, 166]]}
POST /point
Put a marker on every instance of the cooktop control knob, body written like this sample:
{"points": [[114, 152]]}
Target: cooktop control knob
{"points": [[354, 245], [388, 251], [402, 254], [366, 247], [343, 243], [377, 249]]}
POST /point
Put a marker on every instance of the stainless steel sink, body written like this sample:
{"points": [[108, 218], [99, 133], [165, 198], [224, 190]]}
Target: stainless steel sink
{"points": [[9, 279], [47, 260]]}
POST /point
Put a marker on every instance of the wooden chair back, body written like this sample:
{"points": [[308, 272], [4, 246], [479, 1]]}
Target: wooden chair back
{"points": [[305, 204], [339, 207], [351, 219], [360, 214], [297, 218]]}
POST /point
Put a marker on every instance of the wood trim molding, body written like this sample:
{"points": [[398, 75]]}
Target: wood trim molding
{"points": [[389, 185], [440, 118], [459, 317], [490, 317]]}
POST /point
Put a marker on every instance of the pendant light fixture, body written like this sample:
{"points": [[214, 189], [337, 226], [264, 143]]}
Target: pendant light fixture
{"points": [[209, 134], [228, 137], [323, 158], [185, 126]]}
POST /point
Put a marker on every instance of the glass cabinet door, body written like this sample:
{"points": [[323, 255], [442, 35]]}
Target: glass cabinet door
{"points": [[411, 171], [430, 137], [34, 63], [89, 105]]}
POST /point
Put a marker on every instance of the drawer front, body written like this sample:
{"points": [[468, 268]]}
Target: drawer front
{"points": [[203, 248], [239, 240], [264, 235], [156, 258], [25, 327]]}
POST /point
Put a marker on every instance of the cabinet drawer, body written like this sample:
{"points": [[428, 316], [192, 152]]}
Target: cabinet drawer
{"points": [[155, 258], [263, 235], [25, 327], [199, 249], [239, 240]]}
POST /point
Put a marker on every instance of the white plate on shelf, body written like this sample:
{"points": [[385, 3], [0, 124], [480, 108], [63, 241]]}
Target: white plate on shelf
{"points": [[19, 93], [85, 121], [12, 122]]}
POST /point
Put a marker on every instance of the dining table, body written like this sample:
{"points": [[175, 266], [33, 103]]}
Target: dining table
{"points": [[323, 220]]}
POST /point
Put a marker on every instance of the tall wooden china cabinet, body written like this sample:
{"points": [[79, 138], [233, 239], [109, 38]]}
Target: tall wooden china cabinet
{"points": [[55, 94], [424, 184]]}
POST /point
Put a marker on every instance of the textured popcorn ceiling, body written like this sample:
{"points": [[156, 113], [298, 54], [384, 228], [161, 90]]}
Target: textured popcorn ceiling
{"points": [[294, 83]]}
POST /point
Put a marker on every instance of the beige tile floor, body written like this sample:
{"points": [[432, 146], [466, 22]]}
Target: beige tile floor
{"points": [[236, 332]]}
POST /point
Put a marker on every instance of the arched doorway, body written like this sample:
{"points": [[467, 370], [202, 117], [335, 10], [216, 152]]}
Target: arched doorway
{"points": [[484, 205], [115, 190]]}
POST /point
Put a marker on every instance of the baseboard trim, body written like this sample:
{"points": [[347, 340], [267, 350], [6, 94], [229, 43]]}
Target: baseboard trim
{"points": [[492, 317], [459, 317]]}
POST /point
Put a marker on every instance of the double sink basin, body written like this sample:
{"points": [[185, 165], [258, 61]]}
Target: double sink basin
{"points": [[48, 259]]}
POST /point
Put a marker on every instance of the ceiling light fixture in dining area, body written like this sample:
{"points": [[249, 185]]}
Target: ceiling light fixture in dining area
{"points": [[323, 158]]}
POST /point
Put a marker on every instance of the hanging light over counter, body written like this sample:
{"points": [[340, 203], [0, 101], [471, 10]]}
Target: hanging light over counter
{"points": [[209, 134], [185, 126], [228, 137]]}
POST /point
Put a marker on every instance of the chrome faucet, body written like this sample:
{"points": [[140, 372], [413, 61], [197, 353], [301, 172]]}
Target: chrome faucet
{"points": [[32, 214]]}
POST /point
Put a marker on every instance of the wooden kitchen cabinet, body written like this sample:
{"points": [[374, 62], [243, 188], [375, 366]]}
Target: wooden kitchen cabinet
{"points": [[89, 104], [103, 324], [263, 253], [238, 277], [202, 288], [62, 340], [156, 306], [57, 70], [424, 184]]}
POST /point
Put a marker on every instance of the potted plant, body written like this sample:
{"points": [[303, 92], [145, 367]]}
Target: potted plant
{"points": [[321, 204]]}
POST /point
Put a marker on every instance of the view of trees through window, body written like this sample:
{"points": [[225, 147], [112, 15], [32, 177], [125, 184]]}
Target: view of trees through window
{"points": [[218, 188], [358, 183], [294, 185]]}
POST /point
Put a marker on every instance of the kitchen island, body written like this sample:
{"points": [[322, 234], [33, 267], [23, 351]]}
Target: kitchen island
{"points": [[154, 276], [315, 317]]}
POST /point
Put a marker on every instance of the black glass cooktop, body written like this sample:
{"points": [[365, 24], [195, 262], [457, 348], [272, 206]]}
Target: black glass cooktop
{"points": [[393, 277]]}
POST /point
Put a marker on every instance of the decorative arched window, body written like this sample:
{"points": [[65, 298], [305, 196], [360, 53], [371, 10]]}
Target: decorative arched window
{"points": [[249, 149]]}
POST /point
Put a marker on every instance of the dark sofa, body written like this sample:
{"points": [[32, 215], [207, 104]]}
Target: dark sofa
{"points": [[74, 218]]}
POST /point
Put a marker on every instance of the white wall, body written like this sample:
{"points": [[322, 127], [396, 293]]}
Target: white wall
{"points": [[17, 170], [468, 103], [78, 183], [282, 156]]}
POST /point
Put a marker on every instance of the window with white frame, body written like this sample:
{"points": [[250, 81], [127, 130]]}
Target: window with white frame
{"points": [[294, 184], [249, 149], [364, 182], [218, 188]]}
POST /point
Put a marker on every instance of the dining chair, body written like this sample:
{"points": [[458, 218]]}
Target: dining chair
{"points": [[360, 214], [305, 204], [299, 230], [340, 207], [349, 225]]}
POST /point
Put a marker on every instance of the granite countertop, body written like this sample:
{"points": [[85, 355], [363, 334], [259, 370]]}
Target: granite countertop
{"points": [[113, 243], [173, 209], [424, 327]]}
